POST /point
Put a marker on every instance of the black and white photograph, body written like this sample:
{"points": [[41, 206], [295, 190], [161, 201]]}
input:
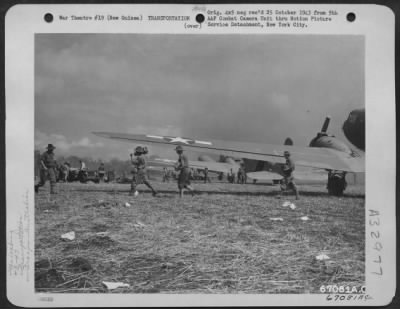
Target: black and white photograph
{"points": [[242, 171], [211, 163]]}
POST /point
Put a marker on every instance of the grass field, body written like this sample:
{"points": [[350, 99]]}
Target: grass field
{"points": [[222, 240]]}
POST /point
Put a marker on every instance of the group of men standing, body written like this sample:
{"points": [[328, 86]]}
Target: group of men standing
{"points": [[241, 176], [48, 167], [50, 170]]}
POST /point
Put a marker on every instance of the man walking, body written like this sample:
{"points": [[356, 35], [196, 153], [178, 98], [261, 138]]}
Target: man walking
{"points": [[240, 176], [139, 172], [101, 171], [66, 168], [47, 169], [288, 180], [182, 165], [206, 177], [165, 175]]}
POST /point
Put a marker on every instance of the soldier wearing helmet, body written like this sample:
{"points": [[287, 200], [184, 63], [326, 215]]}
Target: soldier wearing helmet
{"points": [[139, 171], [288, 180], [182, 165], [48, 166]]}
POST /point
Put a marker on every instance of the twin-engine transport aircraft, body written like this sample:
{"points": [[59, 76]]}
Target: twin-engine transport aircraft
{"points": [[325, 152]]}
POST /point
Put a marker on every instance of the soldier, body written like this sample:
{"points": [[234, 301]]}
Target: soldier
{"points": [[47, 169], [240, 175], [206, 178], [66, 167], [183, 166], [83, 165], [288, 180], [139, 172], [82, 174], [102, 171], [232, 177], [165, 175]]}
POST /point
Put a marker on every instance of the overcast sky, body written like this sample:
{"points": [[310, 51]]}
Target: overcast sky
{"points": [[256, 88]]}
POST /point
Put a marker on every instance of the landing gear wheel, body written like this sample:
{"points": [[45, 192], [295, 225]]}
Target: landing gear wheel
{"points": [[336, 183]]}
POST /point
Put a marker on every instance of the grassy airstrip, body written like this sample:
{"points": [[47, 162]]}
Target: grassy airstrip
{"points": [[222, 240]]}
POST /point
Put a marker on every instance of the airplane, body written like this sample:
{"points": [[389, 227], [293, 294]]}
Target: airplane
{"points": [[325, 152], [336, 178]]}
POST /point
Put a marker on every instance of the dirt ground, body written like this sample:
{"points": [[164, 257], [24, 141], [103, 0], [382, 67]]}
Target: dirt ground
{"points": [[227, 238]]}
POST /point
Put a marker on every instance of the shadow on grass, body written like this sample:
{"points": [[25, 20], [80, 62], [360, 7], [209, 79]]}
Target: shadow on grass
{"points": [[233, 193]]}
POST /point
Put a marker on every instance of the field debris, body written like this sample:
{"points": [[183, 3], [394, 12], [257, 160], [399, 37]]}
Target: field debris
{"points": [[322, 257], [219, 243], [139, 224], [64, 275], [102, 234], [97, 241], [115, 285], [127, 204], [292, 206], [80, 264], [305, 218], [167, 265], [48, 277], [276, 219], [101, 204], [68, 236], [286, 204], [136, 193]]}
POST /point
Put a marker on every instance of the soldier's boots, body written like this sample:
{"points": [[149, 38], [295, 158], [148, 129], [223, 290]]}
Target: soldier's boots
{"points": [[154, 192]]}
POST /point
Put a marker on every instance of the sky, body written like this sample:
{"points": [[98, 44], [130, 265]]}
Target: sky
{"points": [[254, 88]]}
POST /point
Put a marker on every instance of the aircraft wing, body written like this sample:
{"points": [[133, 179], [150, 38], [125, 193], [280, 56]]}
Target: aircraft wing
{"points": [[322, 158], [218, 167]]}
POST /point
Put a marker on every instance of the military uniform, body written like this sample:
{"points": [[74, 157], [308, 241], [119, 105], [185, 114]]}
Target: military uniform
{"points": [[231, 177], [183, 167], [165, 175], [101, 170], [206, 177], [288, 180], [241, 176], [66, 168], [48, 167], [139, 171]]}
